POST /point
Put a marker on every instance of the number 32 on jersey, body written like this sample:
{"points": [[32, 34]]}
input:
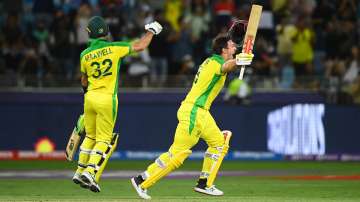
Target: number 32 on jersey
{"points": [[102, 69]]}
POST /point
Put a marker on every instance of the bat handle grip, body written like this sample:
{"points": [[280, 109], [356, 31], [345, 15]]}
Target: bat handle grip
{"points": [[242, 71]]}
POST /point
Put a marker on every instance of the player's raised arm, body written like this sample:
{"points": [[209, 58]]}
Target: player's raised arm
{"points": [[153, 28], [240, 60]]}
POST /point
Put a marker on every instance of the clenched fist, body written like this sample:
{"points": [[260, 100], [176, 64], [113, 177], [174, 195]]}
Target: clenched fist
{"points": [[154, 27]]}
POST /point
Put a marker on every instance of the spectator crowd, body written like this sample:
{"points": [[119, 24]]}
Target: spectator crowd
{"points": [[304, 44]]}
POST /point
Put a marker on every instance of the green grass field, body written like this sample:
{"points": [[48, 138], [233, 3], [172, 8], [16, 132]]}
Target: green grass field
{"points": [[236, 188]]}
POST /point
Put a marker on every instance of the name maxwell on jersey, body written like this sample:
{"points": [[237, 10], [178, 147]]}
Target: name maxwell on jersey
{"points": [[98, 54]]}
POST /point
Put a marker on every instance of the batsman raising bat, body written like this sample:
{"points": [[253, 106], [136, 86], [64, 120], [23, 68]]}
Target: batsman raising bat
{"points": [[195, 121], [100, 64]]}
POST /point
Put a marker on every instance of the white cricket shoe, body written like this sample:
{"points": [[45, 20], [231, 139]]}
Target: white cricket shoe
{"points": [[77, 180], [140, 191], [89, 179], [213, 191]]}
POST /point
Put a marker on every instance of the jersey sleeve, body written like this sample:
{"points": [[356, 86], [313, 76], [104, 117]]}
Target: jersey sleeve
{"points": [[123, 48]]}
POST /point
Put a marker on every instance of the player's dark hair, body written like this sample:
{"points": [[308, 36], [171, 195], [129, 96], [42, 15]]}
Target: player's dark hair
{"points": [[219, 43]]}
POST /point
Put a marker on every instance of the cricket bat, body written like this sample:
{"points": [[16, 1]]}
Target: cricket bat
{"points": [[250, 34], [75, 138]]}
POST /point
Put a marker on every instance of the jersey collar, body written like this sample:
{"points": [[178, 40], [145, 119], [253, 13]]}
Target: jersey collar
{"points": [[94, 42], [218, 58]]}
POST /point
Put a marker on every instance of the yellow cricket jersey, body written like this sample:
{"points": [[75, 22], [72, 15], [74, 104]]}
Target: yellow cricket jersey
{"points": [[101, 63], [207, 84], [302, 50]]}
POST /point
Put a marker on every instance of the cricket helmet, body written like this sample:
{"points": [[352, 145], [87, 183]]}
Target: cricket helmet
{"points": [[97, 27]]}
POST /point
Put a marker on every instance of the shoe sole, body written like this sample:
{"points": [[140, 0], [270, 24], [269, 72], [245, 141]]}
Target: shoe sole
{"points": [[91, 186], [85, 186], [81, 183], [133, 183], [76, 181], [204, 192]]}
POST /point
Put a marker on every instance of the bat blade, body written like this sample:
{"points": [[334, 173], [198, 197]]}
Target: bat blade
{"points": [[250, 34], [72, 145], [252, 28]]}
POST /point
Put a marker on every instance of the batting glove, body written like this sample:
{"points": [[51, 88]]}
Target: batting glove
{"points": [[244, 58], [154, 27]]}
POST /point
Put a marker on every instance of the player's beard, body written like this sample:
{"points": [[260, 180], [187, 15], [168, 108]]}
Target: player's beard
{"points": [[229, 57], [232, 56]]}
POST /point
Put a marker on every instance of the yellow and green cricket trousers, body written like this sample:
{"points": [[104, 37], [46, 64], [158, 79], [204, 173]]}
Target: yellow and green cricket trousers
{"points": [[194, 123]]}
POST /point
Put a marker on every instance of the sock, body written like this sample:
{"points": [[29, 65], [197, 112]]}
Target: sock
{"points": [[201, 183]]}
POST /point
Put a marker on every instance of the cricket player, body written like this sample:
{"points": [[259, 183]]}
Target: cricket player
{"points": [[195, 121], [100, 64]]}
